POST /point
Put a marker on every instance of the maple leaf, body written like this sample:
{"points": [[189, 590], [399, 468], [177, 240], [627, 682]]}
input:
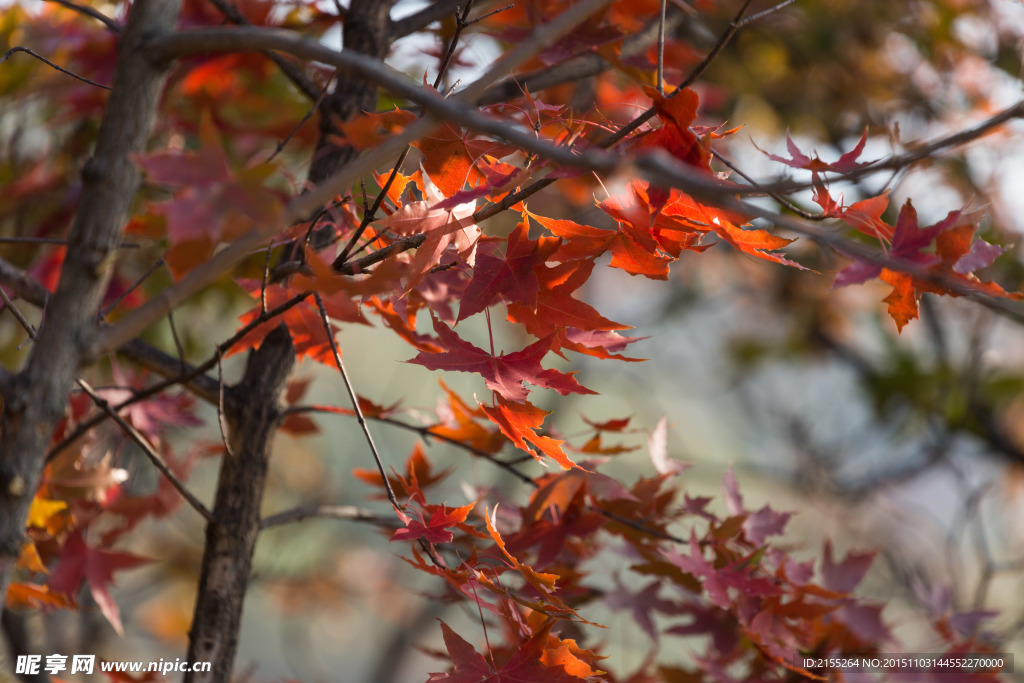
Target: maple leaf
{"points": [[419, 474], [442, 227], [519, 422], [556, 308], [677, 112], [641, 603], [449, 157], [524, 666], [404, 325], [504, 373], [80, 563], [458, 422], [21, 595], [509, 276], [542, 583], [956, 255], [843, 577], [657, 446], [724, 585], [213, 203], [434, 530], [305, 324], [370, 129], [845, 164]]}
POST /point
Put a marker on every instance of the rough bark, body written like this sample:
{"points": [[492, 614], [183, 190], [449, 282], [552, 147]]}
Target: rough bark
{"points": [[252, 408], [367, 30], [36, 397]]}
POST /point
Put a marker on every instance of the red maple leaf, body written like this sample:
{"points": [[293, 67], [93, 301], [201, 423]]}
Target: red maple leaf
{"points": [[509, 276], [442, 227], [524, 666], [632, 248], [519, 422], [503, 373], [954, 258], [434, 529], [212, 203], [419, 474], [79, 563], [846, 163], [556, 308]]}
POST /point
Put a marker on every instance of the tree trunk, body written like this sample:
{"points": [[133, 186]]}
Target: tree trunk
{"points": [[252, 408], [36, 397]]}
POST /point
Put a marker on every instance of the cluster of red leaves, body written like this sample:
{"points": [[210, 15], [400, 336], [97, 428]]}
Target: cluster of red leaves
{"points": [[752, 607], [536, 278], [531, 571], [939, 259], [84, 505]]}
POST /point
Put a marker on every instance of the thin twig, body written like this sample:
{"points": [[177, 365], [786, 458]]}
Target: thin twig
{"points": [[355, 401], [22, 320], [46, 61], [610, 140], [305, 117], [774, 195], [185, 377], [148, 449], [426, 16], [177, 340], [222, 422], [90, 12], [347, 512], [453, 44], [427, 435], [661, 47], [135, 285], [694, 74], [487, 15], [761, 15]]}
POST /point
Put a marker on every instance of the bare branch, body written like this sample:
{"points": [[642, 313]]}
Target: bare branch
{"points": [[761, 15], [661, 48], [541, 37], [56, 240], [7, 55], [426, 16], [89, 12], [575, 68], [25, 324], [371, 213], [355, 402], [347, 512], [147, 448], [23, 286]]}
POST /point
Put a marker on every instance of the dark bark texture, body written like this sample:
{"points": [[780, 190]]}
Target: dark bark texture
{"points": [[36, 397], [252, 408]]}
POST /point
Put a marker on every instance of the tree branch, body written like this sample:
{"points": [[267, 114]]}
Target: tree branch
{"points": [[348, 512], [147, 448], [291, 72], [13, 50], [426, 16], [89, 12]]}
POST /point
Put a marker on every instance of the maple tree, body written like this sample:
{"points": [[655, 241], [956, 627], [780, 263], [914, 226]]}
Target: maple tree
{"points": [[237, 156]]}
